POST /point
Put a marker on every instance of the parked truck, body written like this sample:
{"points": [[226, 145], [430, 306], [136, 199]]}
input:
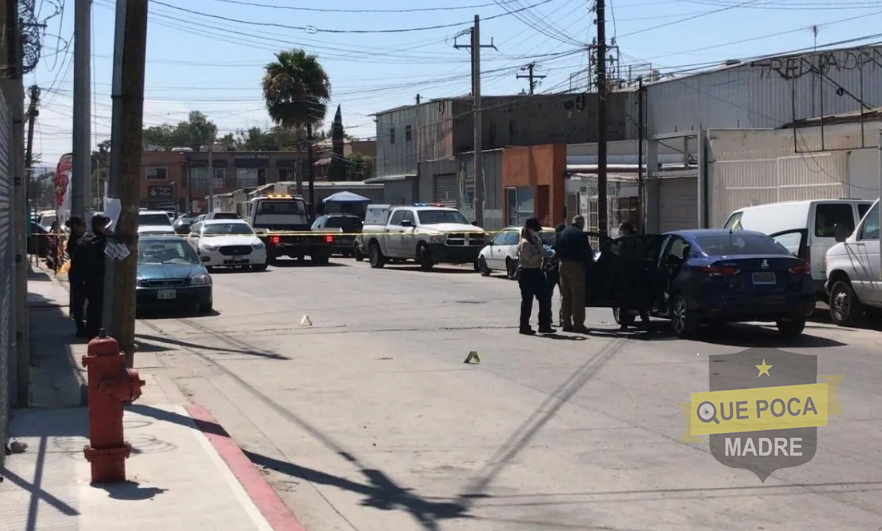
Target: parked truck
{"points": [[427, 234], [283, 223]]}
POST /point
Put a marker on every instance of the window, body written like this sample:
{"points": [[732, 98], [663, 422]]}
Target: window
{"points": [[792, 241], [319, 223], [512, 238], [246, 177], [391, 135], [676, 247], [437, 217], [739, 244], [828, 215], [408, 216], [408, 133], [220, 177], [346, 223], [146, 220], [156, 173], [734, 221], [870, 229], [500, 238], [166, 252], [396, 218], [519, 205], [281, 208], [863, 208], [199, 178], [226, 228]]}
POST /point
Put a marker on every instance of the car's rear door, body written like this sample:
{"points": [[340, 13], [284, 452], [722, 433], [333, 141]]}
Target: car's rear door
{"points": [[625, 274]]}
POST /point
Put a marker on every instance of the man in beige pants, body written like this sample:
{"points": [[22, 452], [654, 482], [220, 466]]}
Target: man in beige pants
{"points": [[574, 251]]}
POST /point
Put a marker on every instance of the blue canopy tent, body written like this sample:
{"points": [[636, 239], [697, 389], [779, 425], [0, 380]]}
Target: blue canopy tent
{"points": [[346, 197], [345, 203]]}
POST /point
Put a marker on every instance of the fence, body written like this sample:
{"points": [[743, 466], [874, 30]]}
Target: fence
{"points": [[7, 252]]}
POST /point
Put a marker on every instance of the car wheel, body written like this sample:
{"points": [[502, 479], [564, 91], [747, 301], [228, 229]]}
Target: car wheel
{"points": [[320, 259], [259, 267], [356, 252], [845, 308], [623, 318], [682, 318], [482, 267], [511, 269], [791, 326], [206, 308], [425, 258], [377, 260]]}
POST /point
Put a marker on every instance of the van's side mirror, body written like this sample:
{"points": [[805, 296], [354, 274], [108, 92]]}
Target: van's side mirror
{"points": [[840, 232]]}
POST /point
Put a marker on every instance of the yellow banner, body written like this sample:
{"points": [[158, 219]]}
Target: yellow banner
{"points": [[761, 409]]}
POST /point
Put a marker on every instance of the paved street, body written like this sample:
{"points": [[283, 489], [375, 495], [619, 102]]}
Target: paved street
{"points": [[369, 419]]}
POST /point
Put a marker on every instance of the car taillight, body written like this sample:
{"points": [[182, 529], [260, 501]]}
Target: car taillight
{"points": [[802, 269], [274, 239], [720, 271], [329, 239]]}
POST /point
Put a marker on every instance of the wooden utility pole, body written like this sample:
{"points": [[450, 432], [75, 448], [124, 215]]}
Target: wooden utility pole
{"points": [[532, 77], [641, 137], [475, 47], [81, 171], [311, 168], [125, 173], [602, 210], [32, 113]]}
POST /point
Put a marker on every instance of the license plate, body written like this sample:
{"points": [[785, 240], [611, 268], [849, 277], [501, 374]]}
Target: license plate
{"points": [[166, 294], [761, 279]]}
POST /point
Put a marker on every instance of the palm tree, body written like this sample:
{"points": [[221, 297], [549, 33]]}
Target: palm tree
{"points": [[297, 90]]}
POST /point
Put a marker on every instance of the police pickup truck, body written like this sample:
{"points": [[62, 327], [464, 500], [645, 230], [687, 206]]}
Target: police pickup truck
{"points": [[428, 234], [283, 224]]}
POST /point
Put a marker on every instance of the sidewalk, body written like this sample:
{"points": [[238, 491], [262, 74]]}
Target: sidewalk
{"points": [[184, 473]]}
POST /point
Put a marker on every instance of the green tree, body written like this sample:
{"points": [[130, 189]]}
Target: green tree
{"points": [[194, 133], [339, 163], [296, 89], [44, 193], [360, 167], [100, 168]]}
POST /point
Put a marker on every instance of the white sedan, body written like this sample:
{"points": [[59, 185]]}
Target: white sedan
{"points": [[502, 252], [228, 243]]}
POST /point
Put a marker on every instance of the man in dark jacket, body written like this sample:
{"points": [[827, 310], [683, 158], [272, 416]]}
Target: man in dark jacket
{"points": [[574, 251], [90, 255], [627, 229], [75, 275]]}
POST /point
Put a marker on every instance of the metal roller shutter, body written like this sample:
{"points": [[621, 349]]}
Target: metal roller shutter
{"points": [[447, 190], [678, 203], [7, 372]]}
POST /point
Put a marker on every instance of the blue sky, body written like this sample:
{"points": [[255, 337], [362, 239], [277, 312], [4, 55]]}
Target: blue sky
{"points": [[208, 55]]}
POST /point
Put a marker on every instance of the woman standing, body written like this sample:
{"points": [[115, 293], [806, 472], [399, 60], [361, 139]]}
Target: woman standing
{"points": [[531, 279]]}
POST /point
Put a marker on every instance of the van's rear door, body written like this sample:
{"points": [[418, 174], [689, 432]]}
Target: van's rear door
{"points": [[822, 229]]}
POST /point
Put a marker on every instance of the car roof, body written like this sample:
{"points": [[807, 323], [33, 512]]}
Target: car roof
{"points": [[159, 238], [223, 221], [713, 232], [163, 212], [544, 229]]}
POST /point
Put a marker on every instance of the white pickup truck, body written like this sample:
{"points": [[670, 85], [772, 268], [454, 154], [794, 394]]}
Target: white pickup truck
{"points": [[428, 234]]}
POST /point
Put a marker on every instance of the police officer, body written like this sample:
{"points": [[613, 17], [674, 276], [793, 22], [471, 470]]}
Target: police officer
{"points": [[531, 279], [75, 275], [627, 229], [574, 251], [90, 255]]}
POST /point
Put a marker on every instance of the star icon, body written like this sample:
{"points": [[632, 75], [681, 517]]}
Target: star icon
{"points": [[764, 369]]}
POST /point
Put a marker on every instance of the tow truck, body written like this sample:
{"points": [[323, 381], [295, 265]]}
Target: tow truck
{"points": [[282, 222]]}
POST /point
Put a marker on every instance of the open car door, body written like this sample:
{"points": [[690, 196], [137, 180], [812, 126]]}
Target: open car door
{"points": [[626, 274]]}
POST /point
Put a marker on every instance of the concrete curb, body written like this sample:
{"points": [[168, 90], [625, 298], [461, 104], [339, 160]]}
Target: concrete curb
{"points": [[261, 493]]}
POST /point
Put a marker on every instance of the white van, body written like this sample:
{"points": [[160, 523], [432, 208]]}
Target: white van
{"points": [[806, 228], [853, 267]]}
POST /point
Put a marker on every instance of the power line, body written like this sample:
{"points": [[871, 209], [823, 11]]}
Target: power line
{"points": [[331, 10], [686, 19]]}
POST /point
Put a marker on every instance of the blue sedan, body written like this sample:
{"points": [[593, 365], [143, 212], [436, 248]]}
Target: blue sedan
{"points": [[171, 275], [704, 276]]}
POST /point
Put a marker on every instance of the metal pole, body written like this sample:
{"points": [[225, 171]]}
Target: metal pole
{"points": [[641, 190], [210, 207], [128, 115], [81, 171], [476, 77], [309, 162], [602, 211]]}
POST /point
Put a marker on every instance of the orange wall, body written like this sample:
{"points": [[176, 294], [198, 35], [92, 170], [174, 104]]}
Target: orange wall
{"points": [[536, 166]]}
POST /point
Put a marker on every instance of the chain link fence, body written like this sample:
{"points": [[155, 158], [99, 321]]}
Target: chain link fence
{"points": [[7, 252]]}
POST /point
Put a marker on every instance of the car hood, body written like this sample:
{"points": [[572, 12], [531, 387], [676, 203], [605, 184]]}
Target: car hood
{"points": [[454, 227], [233, 239], [168, 271]]}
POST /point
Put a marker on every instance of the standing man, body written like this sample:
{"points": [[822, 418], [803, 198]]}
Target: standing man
{"points": [[574, 251], [627, 229], [90, 254], [75, 275]]}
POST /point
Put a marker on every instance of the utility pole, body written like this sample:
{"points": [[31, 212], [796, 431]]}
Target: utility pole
{"points": [[32, 113], [531, 76], [602, 210], [641, 137], [475, 47], [81, 170], [210, 206], [130, 49], [311, 169]]}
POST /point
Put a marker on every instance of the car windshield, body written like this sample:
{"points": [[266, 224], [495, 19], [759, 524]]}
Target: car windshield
{"points": [[348, 224], [281, 207], [437, 217], [166, 252], [739, 244], [225, 215], [153, 219], [224, 229]]}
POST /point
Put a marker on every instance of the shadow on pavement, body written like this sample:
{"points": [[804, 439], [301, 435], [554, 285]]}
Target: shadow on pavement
{"points": [[735, 335], [151, 343], [436, 269], [379, 490], [289, 263], [153, 314], [130, 491]]}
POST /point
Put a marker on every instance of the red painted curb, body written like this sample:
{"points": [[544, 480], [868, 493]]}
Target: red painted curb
{"points": [[261, 493]]}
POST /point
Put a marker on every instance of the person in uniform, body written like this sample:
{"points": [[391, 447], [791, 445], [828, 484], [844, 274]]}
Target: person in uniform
{"points": [[75, 275], [575, 253], [90, 255], [531, 279]]}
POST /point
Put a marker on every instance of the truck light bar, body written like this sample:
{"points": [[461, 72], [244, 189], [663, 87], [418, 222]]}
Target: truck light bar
{"points": [[276, 196], [428, 204]]}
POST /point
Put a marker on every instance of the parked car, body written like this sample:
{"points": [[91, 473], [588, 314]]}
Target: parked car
{"points": [[221, 215], [348, 224], [154, 222], [806, 228], [171, 275], [183, 223], [853, 268], [501, 254], [40, 240], [703, 276], [228, 243]]}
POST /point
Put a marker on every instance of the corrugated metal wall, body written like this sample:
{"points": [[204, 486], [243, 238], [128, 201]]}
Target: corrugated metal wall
{"points": [[762, 93], [462, 168], [7, 358]]}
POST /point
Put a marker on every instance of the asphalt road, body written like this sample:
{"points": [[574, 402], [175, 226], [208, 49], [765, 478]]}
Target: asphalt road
{"points": [[369, 420]]}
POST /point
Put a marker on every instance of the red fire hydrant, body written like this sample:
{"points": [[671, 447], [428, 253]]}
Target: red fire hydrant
{"points": [[110, 384]]}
